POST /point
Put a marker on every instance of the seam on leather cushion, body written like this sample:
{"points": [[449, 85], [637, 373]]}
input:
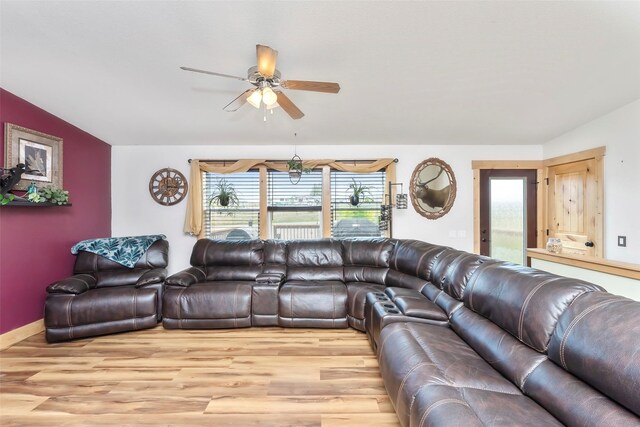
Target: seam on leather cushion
{"points": [[440, 403], [533, 368], [572, 325], [408, 374], [387, 337], [526, 303]]}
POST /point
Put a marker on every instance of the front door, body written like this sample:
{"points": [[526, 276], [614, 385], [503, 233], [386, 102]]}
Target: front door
{"points": [[508, 203], [572, 197]]}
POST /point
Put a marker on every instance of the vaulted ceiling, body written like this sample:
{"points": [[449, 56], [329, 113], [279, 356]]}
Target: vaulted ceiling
{"points": [[410, 72]]}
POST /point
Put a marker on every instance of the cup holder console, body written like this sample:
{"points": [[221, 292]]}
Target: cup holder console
{"points": [[388, 306]]}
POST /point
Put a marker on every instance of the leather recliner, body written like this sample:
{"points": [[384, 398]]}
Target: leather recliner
{"points": [[104, 297]]}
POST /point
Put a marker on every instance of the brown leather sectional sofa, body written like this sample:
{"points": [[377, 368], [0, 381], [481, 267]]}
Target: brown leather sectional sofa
{"points": [[104, 297], [461, 339]]}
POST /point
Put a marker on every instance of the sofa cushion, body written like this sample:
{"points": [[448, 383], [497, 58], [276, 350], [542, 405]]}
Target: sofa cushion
{"points": [[598, 340], [461, 406], [157, 256], [315, 260], [415, 258], [414, 355], [100, 305], [442, 264], [209, 300], [457, 276], [210, 253], [368, 252], [523, 301], [300, 301], [357, 296]]}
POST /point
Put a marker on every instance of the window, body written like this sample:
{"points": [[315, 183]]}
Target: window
{"points": [[361, 220], [237, 221], [295, 211]]}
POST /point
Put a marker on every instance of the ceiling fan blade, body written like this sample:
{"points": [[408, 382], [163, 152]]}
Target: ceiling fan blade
{"points": [[266, 60], [326, 87], [289, 106], [239, 101], [214, 74]]}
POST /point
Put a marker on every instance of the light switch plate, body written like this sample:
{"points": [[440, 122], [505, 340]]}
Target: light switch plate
{"points": [[622, 241]]}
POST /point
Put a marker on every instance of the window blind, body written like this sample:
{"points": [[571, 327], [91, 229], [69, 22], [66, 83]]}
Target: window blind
{"points": [[234, 222], [295, 210], [347, 220]]}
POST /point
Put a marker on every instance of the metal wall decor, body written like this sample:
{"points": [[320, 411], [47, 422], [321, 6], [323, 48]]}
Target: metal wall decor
{"points": [[168, 186], [432, 188]]}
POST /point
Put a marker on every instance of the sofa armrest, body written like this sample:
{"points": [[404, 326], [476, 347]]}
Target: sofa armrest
{"points": [[187, 277], [75, 284], [151, 277], [270, 278]]}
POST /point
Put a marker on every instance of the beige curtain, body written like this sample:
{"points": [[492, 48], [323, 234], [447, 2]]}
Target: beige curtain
{"points": [[193, 220]]}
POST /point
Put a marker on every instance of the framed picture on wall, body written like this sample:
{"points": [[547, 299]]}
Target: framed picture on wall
{"points": [[41, 154]]}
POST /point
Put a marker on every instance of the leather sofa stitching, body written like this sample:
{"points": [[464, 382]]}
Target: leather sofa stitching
{"points": [[134, 309], [420, 262], [235, 306], [204, 253], [440, 403], [408, 374], [179, 299], [526, 303], [572, 325], [333, 301], [387, 337], [291, 306], [529, 372], [69, 318], [473, 284]]}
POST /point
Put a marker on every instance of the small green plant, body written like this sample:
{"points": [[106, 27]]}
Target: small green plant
{"points": [[358, 191], [35, 197], [225, 194], [55, 195], [296, 166], [6, 199]]}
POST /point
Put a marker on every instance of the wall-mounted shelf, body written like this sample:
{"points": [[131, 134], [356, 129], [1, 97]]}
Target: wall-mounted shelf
{"points": [[25, 203]]}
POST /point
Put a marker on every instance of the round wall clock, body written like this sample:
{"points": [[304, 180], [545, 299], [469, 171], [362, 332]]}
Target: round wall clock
{"points": [[168, 186]]}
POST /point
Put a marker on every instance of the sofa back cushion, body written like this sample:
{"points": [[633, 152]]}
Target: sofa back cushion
{"points": [[110, 273], [367, 260], [315, 260], [523, 301], [441, 265], [460, 271], [228, 260], [415, 258], [275, 256], [597, 339]]}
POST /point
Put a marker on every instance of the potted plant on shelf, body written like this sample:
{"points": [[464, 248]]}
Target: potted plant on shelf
{"points": [[357, 191], [225, 194]]}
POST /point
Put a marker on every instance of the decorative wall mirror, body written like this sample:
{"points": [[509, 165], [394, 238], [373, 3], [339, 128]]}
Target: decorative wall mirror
{"points": [[432, 188]]}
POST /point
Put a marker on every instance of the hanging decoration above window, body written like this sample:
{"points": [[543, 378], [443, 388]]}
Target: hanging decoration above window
{"points": [[296, 169]]}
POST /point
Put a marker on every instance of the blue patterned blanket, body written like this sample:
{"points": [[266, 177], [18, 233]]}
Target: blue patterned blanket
{"points": [[123, 250]]}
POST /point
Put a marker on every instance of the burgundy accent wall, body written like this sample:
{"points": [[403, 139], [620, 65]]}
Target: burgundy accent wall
{"points": [[35, 241]]}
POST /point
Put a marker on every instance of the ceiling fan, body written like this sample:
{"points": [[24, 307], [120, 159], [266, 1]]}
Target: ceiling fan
{"points": [[265, 77]]}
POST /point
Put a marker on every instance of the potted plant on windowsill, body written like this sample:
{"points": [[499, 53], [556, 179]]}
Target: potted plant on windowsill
{"points": [[225, 194], [358, 191]]}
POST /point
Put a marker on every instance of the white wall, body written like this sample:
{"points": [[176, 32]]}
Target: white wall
{"points": [[619, 132], [134, 212]]}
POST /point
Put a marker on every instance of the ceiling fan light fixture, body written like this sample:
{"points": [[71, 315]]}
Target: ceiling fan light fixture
{"points": [[255, 98], [269, 97]]}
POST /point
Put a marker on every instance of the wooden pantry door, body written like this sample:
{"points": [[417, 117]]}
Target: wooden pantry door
{"points": [[574, 204]]}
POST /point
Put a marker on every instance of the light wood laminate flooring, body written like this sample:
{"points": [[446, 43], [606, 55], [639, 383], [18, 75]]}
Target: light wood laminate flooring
{"points": [[239, 377]]}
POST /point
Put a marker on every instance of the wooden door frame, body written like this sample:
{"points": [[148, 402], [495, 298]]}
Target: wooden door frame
{"points": [[596, 154], [477, 165]]}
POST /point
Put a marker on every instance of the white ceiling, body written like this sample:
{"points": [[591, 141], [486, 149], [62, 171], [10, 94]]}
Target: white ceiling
{"points": [[410, 72]]}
